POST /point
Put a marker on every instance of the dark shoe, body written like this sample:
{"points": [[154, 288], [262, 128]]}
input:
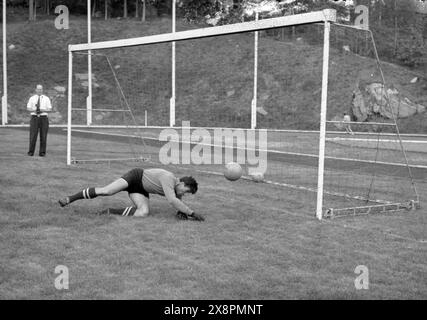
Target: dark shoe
{"points": [[42, 154], [63, 202], [30, 154]]}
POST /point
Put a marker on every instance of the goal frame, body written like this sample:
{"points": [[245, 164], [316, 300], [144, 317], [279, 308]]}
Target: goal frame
{"points": [[326, 17]]}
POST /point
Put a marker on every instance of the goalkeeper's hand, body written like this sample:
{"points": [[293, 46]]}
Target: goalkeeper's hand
{"points": [[183, 216], [197, 217]]}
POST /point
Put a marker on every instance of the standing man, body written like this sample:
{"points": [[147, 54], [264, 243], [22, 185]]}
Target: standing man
{"points": [[39, 105], [347, 120]]}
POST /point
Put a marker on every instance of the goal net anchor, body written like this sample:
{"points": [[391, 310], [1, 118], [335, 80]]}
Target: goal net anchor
{"points": [[410, 205], [95, 161]]}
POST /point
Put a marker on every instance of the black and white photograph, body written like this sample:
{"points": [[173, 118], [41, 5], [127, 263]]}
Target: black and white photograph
{"points": [[213, 155]]}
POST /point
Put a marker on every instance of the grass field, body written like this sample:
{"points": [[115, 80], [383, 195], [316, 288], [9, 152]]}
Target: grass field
{"points": [[258, 242]]}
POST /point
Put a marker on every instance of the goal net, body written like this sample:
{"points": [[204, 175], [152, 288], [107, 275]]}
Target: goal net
{"points": [[269, 94], [370, 166]]}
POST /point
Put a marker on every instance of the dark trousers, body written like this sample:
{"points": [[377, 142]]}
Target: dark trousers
{"points": [[38, 124]]}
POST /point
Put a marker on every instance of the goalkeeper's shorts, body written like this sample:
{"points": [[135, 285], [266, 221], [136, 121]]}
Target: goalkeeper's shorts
{"points": [[134, 180]]}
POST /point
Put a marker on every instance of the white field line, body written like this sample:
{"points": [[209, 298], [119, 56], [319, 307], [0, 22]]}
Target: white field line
{"points": [[376, 140], [211, 128], [261, 150], [166, 127]]}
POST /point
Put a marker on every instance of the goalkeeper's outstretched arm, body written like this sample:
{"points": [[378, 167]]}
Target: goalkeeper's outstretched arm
{"points": [[177, 203]]}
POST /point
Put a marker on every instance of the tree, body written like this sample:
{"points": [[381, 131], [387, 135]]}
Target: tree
{"points": [[32, 10], [136, 8], [106, 5], [144, 10], [47, 6], [378, 6], [194, 10], [93, 8]]}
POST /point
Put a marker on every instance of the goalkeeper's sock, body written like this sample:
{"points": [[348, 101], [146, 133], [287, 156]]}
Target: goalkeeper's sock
{"points": [[88, 193], [125, 212]]}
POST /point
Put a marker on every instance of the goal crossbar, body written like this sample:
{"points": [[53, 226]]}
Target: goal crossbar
{"points": [[326, 15]]}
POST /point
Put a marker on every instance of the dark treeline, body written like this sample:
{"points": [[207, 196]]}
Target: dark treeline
{"points": [[113, 8]]}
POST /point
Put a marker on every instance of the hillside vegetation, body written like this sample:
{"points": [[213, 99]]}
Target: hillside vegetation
{"points": [[214, 76]]}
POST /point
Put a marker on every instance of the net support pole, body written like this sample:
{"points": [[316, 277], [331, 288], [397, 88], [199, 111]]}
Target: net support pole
{"points": [[4, 97], [70, 95], [254, 99], [89, 65], [172, 99], [323, 109]]}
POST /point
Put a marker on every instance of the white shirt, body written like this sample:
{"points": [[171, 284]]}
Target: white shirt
{"points": [[44, 104], [347, 118]]}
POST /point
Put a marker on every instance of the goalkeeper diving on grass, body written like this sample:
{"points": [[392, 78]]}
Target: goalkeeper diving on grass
{"points": [[140, 183]]}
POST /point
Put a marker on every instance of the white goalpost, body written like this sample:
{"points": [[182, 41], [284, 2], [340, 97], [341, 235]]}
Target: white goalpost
{"points": [[4, 96], [89, 65], [323, 107], [173, 95], [255, 93]]}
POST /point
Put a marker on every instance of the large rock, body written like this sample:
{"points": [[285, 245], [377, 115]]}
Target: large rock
{"points": [[374, 99]]}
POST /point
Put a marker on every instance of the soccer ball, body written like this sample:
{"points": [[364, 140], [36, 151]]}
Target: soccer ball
{"points": [[233, 171]]}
